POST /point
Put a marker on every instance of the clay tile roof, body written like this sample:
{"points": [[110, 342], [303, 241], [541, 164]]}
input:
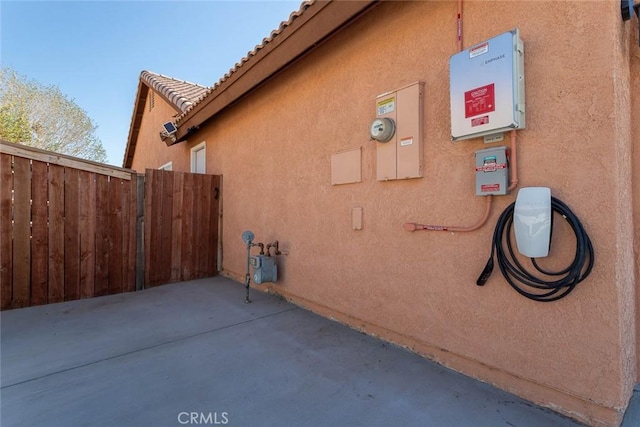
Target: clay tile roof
{"points": [[284, 24], [180, 93]]}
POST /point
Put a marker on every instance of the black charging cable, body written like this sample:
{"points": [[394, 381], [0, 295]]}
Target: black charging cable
{"points": [[520, 278]]}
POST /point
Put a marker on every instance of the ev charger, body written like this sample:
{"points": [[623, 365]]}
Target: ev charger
{"points": [[532, 221], [531, 214]]}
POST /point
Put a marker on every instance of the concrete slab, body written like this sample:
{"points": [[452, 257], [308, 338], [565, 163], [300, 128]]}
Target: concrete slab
{"points": [[632, 415], [194, 353]]}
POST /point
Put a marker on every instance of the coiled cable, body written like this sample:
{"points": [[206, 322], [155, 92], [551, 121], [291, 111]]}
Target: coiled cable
{"points": [[523, 281]]}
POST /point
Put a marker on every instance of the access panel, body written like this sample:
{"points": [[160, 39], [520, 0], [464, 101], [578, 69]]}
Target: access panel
{"points": [[401, 155]]}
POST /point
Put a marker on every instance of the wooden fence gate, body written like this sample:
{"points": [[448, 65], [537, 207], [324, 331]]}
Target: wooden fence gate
{"points": [[181, 226], [73, 229]]}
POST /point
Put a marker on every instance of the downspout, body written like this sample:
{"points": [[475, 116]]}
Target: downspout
{"points": [[513, 159]]}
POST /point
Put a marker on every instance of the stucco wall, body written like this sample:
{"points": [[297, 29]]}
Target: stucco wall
{"points": [[418, 289], [151, 152], [634, 53]]}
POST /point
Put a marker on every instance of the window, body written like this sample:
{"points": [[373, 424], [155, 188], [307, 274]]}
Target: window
{"points": [[166, 167], [198, 158]]}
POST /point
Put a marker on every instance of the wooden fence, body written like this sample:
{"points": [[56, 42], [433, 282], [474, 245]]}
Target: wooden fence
{"points": [[181, 230], [72, 229]]}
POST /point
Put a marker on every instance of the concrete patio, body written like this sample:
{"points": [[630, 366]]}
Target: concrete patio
{"points": [[194, 353]]}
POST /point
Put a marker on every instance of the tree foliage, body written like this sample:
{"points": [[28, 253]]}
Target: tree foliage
{"points": [[43, 117]]}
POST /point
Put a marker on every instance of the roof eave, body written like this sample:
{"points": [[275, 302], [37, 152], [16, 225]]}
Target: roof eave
{"points": [[170, 95], [318, 22], [147, 82], [136, 120]]}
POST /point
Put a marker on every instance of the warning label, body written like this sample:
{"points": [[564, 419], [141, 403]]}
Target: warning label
{"points": [[491, 167], [479, 50], [487, 188], [406, 141], [386, 106], [480, 121], [480, 100]]}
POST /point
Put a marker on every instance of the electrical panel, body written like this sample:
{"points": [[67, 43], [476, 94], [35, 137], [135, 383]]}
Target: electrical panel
{"points": [[492, 171], [265, 269], [397, 131], [487, 88]]}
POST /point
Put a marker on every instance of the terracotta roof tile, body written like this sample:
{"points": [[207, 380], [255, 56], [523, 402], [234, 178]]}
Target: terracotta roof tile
{"points": [[180, 93], [284, 24]]}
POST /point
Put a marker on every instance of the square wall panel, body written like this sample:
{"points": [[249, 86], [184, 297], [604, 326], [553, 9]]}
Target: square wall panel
{"points": [[401, 157], [346, 167]]}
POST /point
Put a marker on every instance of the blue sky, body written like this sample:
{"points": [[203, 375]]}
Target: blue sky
{"points": [[94, 51]]}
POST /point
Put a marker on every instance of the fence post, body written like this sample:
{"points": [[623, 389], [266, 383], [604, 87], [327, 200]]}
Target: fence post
{"points": [[140, 234]]}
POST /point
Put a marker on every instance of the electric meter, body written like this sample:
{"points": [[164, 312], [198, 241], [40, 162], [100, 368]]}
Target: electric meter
{"points": [[382, 129]]}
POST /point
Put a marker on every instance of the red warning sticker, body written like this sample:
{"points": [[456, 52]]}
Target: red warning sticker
{"points": [[491, 167], [486, 188], [480, 121], [480, 100], [478, 50]]}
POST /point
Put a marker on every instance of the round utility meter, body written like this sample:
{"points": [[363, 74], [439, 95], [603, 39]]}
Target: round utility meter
{"points": [[382, 129]]}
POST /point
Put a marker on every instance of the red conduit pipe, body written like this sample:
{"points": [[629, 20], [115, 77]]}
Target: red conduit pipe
{"points": [[459, 26], [412, 226], [513, 159]]}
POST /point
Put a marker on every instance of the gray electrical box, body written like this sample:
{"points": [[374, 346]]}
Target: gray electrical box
{"points": [[264, 269], [492, 171], [487, 88]]}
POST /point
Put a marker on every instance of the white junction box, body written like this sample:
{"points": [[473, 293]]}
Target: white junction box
{"points": [[487, 88]]}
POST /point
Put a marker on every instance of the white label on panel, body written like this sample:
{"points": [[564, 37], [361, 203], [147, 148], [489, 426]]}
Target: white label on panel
{"points": [[387, 106], [481, 49], [494, 138]]}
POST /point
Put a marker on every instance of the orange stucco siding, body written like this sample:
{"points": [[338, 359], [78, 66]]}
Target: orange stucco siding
{"points": [[634, 117], [273, 148]]}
